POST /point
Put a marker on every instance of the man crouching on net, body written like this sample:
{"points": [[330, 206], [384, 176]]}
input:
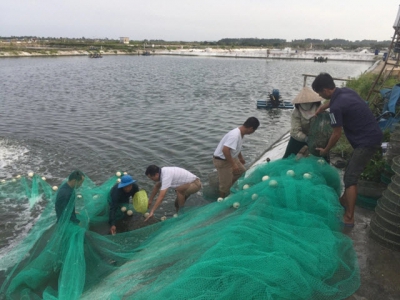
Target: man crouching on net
{"points": [[184, 182], [120, 193]]}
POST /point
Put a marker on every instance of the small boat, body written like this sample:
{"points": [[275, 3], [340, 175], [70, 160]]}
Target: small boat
{"points": [[95, 55], [320, 59], [274, 101]]}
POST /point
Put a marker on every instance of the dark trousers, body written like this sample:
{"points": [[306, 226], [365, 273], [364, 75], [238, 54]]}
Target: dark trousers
{"points": [[293, 147]]}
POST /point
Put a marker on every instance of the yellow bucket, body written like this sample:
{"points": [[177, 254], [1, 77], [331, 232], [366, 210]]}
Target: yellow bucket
{"points": [[140, 201]]}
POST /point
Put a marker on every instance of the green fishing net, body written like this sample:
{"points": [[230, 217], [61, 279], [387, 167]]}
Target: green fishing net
{"points": [[320, 132], [277, 236]]}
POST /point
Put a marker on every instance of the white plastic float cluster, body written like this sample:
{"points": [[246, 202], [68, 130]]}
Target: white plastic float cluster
{"points": [[30, 174], [272, 183], [55, 188], [128, 211], [119, 174]]}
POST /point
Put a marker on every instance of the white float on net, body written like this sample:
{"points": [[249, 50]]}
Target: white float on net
{"points": [[290, 173], [273, 183]]}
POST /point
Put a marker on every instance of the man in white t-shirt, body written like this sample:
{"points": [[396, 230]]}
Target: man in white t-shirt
{"points": [[228, 157], [184, 183]]}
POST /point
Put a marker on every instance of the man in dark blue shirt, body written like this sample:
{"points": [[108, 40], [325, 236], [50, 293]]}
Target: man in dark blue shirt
{"points": [[67, 192], [352, 114], [120, 193]]}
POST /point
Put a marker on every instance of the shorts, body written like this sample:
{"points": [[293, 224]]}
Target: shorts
{"points": [[189, 188], [357, 163], [194, 187], [226, 177]]}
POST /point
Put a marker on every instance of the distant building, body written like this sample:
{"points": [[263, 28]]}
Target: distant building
{"points": [[124, 40]]}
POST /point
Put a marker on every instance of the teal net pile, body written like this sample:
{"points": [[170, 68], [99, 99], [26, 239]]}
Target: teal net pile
{"points": [[277, 236]]}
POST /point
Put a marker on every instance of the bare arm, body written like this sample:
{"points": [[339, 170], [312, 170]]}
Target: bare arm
{"points": [[154, 192], [241, 159], [160, 198], [322, 108], [227, 153]]}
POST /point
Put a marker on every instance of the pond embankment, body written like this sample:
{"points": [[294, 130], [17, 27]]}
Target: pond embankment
{"points": [[287, 53]]}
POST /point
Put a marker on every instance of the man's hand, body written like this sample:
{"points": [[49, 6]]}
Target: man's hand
{"points": [[235, 169], [322, 108], [113, 230], [319, 110], [322, 151], [149, 216]]}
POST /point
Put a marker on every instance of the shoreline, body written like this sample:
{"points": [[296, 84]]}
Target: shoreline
{"points": [[285, 54], [273, 54]]}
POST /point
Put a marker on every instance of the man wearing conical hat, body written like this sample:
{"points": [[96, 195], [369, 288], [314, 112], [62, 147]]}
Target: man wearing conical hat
{"points": [[306, 103]]}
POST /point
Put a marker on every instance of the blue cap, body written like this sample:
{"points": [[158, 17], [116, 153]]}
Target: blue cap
{"points": [[126, 180]]}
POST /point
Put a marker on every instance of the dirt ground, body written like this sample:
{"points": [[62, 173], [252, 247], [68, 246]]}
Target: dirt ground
{"points": [[395, 71], [379, 266]]}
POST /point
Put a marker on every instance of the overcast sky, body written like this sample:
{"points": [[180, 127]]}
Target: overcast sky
{"points": [[205, 20]]}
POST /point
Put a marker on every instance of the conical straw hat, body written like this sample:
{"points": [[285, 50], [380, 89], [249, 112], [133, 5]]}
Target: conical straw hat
{"points": [[306, 95]]}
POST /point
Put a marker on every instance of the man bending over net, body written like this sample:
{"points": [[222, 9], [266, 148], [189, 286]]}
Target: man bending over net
{"points": [[184, 182]]}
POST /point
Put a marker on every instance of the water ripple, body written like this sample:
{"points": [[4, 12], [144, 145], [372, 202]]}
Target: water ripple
{"points": [[126, 112]]}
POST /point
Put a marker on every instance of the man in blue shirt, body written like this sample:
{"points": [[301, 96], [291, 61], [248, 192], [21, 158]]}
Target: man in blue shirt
{"points": [[67, 192], [120, 193], [352, 114]]}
